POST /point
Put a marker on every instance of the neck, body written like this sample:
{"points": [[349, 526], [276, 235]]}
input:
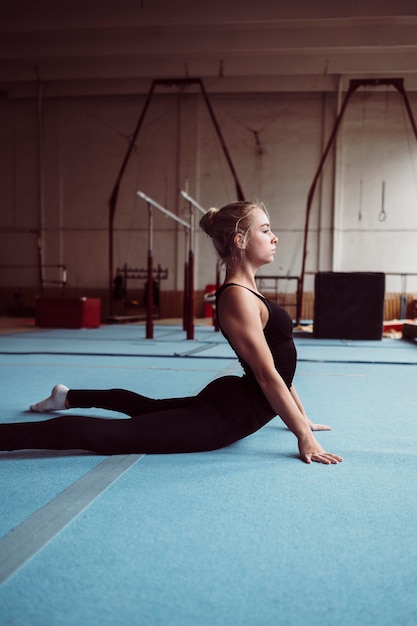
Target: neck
{"points": [[247, 279]]}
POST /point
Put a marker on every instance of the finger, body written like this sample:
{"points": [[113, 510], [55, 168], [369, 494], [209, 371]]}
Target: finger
{"points": [[334, 457], [321, 459], [327, 458]]}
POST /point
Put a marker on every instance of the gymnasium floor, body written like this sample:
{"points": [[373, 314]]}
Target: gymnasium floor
{"points": [[245, 536]]}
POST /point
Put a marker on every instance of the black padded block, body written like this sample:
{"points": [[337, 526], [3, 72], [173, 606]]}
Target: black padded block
{"points": [[349, 305]]}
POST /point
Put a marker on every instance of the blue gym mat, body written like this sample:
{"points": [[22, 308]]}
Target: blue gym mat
{"points": [[247, 535]]}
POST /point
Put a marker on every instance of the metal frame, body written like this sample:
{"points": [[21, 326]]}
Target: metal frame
{"points": [[181, 83], [354, 85]]}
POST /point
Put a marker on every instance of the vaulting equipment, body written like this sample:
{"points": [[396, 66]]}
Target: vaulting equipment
{"points": [[149, 294], [398, 83], [67, 312], [181, 83], [349, 305]]}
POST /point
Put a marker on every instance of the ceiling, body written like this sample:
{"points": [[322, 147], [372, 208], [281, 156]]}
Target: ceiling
{"points": [[118, 46]]}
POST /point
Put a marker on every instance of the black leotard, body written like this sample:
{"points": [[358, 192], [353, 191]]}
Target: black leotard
{"points": [[279, 337]]}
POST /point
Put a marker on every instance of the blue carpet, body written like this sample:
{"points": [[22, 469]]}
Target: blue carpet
{"points": [[247, 535], [385, 351], [114, 341]]}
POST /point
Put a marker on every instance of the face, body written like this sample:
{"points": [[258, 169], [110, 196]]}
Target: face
{"points": [[261, 247]]}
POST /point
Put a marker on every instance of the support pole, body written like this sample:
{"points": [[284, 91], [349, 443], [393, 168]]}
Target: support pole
{"points": [[190, 283], [186, 295], [149, 293], [216, 319], [191, 298]]}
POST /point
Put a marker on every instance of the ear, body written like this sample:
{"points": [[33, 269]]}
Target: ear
{"points": [[239, 241]]}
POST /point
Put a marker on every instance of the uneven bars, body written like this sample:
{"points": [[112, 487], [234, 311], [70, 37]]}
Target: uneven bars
{"points": [[192, 201], [162, 209]]}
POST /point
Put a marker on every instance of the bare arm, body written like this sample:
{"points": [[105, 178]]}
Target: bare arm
{"points": [[240, 314]]}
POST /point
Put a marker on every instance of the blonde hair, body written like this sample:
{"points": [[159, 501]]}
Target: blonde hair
{"points": [[223, 224]]}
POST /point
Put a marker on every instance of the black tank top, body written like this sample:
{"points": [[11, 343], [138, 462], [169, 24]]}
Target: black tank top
{"points": [[278, 333]]}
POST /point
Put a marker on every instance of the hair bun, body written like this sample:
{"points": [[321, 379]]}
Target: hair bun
{"points": [[208, 220]]}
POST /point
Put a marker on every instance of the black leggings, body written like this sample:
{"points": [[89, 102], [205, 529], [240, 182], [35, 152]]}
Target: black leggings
{"points": [[225, 411]]}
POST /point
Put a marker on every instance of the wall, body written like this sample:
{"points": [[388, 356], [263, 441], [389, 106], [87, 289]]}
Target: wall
{"points": [[60, 186]]}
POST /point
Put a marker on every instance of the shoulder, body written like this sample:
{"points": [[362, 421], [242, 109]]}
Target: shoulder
{"points": [[237, 303], [232, 293]]}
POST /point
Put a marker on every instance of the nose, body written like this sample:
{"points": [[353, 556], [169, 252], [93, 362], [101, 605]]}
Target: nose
{"points": [[274, 238]]}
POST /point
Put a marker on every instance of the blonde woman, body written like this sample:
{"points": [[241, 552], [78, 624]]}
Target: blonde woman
{"points": [[227, 409]]}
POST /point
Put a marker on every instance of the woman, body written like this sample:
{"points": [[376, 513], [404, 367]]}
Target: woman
{"points": [[227, 409]]}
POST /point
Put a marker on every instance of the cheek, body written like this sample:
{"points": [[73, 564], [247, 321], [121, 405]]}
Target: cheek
{"points": [[257, 247]]}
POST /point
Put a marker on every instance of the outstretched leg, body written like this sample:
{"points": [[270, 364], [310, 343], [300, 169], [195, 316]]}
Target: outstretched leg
{"points": [[122, 401], [196, 428], [119, 400], [226, 410]]}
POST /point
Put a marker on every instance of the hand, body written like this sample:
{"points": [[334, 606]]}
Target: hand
{"points": [[319, 426], [311, 451]]}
